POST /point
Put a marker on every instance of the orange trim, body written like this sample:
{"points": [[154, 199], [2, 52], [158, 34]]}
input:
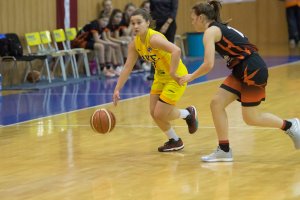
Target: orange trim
{"points": [[167, 100], [155, 92], [291, 3], [230, 44]]}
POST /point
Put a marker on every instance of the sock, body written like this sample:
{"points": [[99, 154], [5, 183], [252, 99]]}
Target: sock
{"points": [[183, 113], [286, 125], [224, 145], [171, 134]]}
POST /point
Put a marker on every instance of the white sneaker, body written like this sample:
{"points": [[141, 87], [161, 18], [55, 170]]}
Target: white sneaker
{"points": [[218, 156], [294, 132]]}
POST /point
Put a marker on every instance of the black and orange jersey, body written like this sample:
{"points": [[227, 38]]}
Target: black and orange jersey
{"points": [[233, 46], [113, 28]]}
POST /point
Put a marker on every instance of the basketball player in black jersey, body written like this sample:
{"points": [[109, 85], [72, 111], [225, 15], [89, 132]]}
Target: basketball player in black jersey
{"points": [[246, 83]]}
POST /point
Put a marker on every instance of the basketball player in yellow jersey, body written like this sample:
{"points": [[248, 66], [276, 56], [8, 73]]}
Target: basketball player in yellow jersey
{"points": [[152, 46]]}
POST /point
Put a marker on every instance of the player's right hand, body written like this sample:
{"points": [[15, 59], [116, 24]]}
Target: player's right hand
{"points": [[116, 97]]}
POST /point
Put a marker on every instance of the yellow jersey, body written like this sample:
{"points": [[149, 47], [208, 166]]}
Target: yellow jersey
{"points": [[160, 59]]}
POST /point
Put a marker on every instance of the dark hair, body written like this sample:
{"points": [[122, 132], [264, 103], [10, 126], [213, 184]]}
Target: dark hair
{"points": [[211, 10], [143, 13], [143, 3], [113, 13], [146, 15], [128, 5]]}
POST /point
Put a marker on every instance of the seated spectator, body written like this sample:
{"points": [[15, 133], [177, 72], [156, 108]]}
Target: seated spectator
{"points": [[107, 8], [114, 32], [146, 5], [128, 10], [91, 38]]}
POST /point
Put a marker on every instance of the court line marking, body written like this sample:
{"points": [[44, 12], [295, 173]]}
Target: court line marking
{"points": [[145, 126], [192, 85]]}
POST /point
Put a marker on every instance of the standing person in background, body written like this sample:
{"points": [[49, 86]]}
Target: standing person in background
{"points": [[165, 90], [164, 14], [107, 8], [293, 21], [246, 83]]}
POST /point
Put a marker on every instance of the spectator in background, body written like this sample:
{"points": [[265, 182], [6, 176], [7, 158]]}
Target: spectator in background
{"points": [[128, 10], [164, 13], [107, 8], [145, 5], [115, 32], [127, 31], [293, 21], [90, 37]]}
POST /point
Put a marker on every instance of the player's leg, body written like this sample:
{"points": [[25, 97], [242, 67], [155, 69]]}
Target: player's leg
{"points": [[218, 104], [164, 95], [252, 116], [157, 109]]}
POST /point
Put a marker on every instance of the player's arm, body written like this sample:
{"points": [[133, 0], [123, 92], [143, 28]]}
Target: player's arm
{"points": [[128, 66], [158, 42], [211, 35]]}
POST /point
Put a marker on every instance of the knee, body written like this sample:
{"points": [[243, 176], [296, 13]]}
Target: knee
{"points": [[158, 116], [216, 104], [249, 119], [99, 47]]}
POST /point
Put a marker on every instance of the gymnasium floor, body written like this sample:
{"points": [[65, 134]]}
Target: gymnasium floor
{"points": [[48, 151]]}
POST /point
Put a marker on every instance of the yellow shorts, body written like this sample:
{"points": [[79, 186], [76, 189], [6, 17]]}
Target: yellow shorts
{"points": [[168, 89]]}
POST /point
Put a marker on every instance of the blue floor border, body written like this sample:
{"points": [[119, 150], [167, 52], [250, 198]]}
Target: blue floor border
{"points": [[47, 101]]}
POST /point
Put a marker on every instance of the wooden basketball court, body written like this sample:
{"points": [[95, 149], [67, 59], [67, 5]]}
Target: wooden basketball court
{"points": [[60, 157]]}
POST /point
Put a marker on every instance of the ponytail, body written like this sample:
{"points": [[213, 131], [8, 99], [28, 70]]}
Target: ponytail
{"points": [[217, 8], [212, 10]]}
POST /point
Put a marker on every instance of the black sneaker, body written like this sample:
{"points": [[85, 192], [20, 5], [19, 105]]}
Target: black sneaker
{"points": [[192, 119], [171, 145]]}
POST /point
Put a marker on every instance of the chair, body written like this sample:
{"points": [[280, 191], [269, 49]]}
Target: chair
{"points": [[34, 40], [23, 58], [71, 35], [46, 40], [60, 37]]}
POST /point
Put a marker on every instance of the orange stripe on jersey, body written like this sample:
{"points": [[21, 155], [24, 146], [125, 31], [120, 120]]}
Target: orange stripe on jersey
{"points": [[231, 46]]}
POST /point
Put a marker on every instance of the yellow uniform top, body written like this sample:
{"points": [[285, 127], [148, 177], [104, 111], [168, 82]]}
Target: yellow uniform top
{"points": [[160, 59]]}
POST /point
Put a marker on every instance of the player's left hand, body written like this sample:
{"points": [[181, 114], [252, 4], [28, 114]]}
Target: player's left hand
{"points": [[175, 77], [185, 79]]}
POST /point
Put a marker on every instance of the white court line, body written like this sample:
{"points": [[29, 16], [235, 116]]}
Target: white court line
{"points": [[146, 126]]}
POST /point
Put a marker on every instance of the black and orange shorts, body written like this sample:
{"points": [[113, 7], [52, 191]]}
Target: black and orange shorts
{"points": [[248, 81]]}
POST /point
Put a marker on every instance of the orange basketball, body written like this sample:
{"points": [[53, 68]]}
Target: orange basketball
{"points": [[103, 121], [33, 76]]}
